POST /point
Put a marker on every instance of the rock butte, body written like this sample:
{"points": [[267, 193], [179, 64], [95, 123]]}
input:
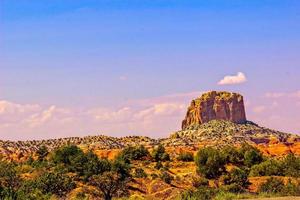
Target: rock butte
{"points": [[215, 106]]}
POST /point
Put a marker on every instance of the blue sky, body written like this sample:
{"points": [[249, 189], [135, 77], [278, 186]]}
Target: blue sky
{"points": [[83, 55]]}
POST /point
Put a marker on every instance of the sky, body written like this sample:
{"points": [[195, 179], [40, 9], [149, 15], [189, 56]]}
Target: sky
{"points": [[131, 67]]}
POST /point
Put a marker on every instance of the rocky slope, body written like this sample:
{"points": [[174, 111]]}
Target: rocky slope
{"points": [[215, 105]]}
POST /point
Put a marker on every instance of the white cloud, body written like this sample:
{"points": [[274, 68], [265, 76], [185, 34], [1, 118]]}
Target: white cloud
{"points": [[239, 78]]}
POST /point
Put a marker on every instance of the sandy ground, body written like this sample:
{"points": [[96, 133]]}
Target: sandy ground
{"points": [[278, 198]]}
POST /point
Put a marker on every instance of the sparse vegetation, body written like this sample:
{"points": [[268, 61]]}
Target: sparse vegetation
{"points": [[160, 154], [215, 173], [210, 162], [186, 157]]}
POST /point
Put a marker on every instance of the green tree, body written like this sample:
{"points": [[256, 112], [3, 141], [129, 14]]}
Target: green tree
{"points": [[94, 165], [209, 162], [66, 155], [55, 183], [110, 184]]}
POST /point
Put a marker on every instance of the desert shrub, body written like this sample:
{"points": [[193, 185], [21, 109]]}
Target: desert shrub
{"points": [[166, 177], [209, 162], [291, 189], [236, 181], [272, 185], [54, 183], [29, 191], [291, 165], [160, 154], [232, 155], [42, 152], [134, 153], [199, 181], [158, 165], [270, 167], [252, 156], [140, 173], [186, 157], [202, 193], [154, 176], [10, 181]]}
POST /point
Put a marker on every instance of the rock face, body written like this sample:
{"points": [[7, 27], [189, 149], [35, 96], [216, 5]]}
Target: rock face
{"points": [[215, 105]]}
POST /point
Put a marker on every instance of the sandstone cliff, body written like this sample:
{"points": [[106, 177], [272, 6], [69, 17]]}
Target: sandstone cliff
{"points": [[215, 105]]}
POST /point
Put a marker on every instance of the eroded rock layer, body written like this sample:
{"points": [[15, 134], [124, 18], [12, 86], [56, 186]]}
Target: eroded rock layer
{"points": [[215, 106]]}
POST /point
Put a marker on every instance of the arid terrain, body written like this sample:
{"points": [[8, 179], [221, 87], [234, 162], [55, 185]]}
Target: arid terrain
{"points": [[216, 119]]}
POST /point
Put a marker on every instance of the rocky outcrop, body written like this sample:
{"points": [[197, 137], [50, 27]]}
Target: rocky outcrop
{"points": [[215, 105]]}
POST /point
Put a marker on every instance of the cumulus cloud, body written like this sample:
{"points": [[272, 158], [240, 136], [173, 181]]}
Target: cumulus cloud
{"points": [[239, 78], [156, 117]]}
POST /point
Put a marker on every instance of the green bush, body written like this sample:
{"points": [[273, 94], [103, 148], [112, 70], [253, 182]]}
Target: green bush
{"points": [[291, 165], [252, 156], [185, 157], [29, 191], [55, 183], [160, 154], [291, 189], [158, 165], [140, 173], [134, 153], [232, 155], [122, 168], [10, 181], [42, 152], [209, 162], [154, 176], [270, 167], [199, 181], [236, 181], [166, 177], [202, 193], [272, 185], [67, 154]]}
